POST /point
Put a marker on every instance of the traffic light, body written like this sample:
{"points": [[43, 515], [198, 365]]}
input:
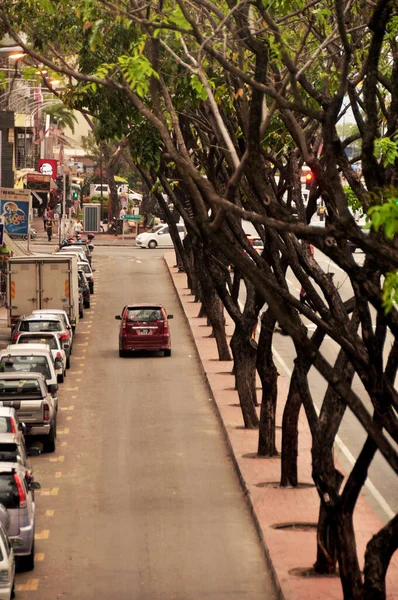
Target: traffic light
{"points": [[309, 181], [75, 195]]}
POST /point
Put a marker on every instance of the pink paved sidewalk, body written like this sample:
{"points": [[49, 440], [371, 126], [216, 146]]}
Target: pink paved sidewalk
{"points": [[287, 550]]}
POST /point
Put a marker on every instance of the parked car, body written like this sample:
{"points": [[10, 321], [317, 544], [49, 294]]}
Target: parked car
{"points": [[84, 289], [54, 344], [144, 327], [27, 393], [89, 272], [7, 557], [9, 422], [46, 322], [158, 236], [17, 497], [31, 358], [13, 449]]}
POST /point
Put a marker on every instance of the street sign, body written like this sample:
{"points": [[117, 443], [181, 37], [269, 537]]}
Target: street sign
{"points": [[132, 217], [39, 183], [15, 209]]}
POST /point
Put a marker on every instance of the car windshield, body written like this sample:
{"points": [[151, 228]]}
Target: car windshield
{"points": [[20, 387], [5, 425], [41, 325], [9, 496], [156, 228], [144, 314], [29, 364], [51, 342]]}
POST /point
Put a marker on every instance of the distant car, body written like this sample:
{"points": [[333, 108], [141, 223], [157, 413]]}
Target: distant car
{"points": [[84, 288], [44, 321], [16, 496], [144, 327], [158, 236], [53, 342], [89, 272], [7, 559]]}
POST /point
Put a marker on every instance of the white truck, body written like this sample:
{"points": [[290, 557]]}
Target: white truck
{"points": [[37, 282]]}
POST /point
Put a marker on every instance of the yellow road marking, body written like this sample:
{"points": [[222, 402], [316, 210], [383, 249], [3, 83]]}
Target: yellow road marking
{"points": [[42, 535], [78, 379], [83, 344], [70, 407], [69, 418], [76, 372], [64, 444], [46, 492], [39, 556], [80, 357], [74, 397], [50, 512], [81, 365], [58, 475], [32, 585], [74, 389], [64, 431], [59, 459]]}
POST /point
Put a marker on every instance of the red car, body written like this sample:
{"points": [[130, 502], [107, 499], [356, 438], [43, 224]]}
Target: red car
{"points": [[144, 327]]}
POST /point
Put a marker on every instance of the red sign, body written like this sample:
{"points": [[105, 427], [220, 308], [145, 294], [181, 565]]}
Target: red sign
{"points": [[48, 166]]}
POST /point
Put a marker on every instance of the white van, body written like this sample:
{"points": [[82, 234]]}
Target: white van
{"points": [[158, 236]]}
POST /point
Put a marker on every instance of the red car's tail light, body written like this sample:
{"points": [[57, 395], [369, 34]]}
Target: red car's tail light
{"points": [[15, 336], [59, 355], [21, 491], [13, 426]]}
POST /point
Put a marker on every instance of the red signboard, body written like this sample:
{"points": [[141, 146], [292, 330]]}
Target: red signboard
{"points": [[48, 166]]}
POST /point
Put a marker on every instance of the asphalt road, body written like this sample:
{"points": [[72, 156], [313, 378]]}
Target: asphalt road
{"points": [[140, 501]]}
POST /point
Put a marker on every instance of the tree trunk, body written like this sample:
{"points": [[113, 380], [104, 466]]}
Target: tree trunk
{"points": [[289, 473], [269, 378], [377, 558], [213, 307], [326, 556], [350, 574], [245, 374]]}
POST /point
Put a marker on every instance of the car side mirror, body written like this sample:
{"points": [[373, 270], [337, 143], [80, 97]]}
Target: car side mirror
{"points": [[22, 427], [118, 317], [53, 387], [34, 485], [90, 247], [68, 327], [65, 346], [170, 316], [93, 270]]}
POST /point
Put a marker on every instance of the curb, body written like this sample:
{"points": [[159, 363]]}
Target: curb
{"points": [[274, 574]]}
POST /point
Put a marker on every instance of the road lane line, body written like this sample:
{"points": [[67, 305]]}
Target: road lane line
{"points": [[42, 535], [58, 475], [64, 431], [47, 492], [39, 557], [59, 459], [69, 418], [71, 407], [50, 513]]}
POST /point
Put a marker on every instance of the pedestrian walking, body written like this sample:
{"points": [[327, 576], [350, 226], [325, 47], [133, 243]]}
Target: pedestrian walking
{"points": [[78, 228], [49, 229], [45, 219]]}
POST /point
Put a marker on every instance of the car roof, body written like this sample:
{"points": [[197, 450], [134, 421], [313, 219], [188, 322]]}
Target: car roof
{"points": [[46, 311], [10, 438], [37, 334], [36, 349], [7, 411], [22, 375], [41, 317]]}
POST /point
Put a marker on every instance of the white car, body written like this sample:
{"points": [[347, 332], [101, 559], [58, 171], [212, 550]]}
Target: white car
{"points": [[158, 236], [7, 558], [31, 358], [79, 252], [58, 312], [53, 342]]}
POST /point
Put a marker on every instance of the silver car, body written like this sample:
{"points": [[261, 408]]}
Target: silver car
{"points": [[17, 497]]}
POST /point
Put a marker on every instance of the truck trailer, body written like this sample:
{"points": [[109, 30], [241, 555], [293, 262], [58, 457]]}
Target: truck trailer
{"points": [[41, 281]]}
